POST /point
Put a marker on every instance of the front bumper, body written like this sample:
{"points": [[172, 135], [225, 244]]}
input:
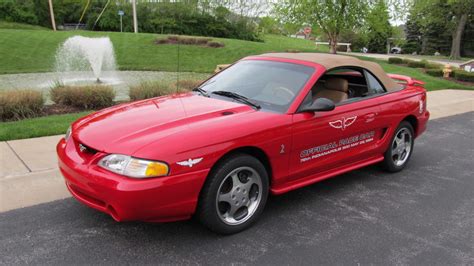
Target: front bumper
{"points": [[159, 199]]}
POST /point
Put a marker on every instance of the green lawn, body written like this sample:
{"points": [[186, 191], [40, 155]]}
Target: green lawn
{"points": [[38, 127], [440, 57], [19, 26], [431, 83], [23, 51]]}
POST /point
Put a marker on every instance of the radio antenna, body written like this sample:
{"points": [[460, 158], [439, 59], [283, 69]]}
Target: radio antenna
{"points": [[178, 65], [177, 74]]}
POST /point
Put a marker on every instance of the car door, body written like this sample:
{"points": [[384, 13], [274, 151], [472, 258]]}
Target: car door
{"points": [[327, 140], [314, 143], [361, 125], [360, 130]]}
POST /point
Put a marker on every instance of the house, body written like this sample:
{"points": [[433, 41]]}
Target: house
{"points": [[468, 66], [303, 33]]}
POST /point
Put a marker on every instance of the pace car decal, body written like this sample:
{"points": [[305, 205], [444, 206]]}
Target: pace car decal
{"points": [[190, 162], [343, 123], [336, 146]]}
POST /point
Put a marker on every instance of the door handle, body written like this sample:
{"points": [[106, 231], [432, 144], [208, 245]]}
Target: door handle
{"points": [[370, 117]]}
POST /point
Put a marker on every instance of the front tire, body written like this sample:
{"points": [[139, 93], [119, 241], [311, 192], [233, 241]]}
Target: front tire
{"points": [[234, 194], [401, 148]]}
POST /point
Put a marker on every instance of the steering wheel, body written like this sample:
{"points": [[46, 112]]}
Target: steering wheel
{"points": [[278, 91]]}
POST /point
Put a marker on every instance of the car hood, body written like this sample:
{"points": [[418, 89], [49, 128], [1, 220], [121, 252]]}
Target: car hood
{"points": [[126, 128]]}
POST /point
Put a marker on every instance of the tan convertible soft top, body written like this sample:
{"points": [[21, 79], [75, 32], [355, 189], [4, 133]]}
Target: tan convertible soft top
{"points": [[330, 61]]}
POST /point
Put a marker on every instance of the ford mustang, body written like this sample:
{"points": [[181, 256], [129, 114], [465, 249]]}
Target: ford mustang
{"points": [[267, 124]]}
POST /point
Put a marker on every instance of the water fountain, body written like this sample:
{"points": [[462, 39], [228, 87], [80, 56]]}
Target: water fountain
{"points": [[81, 57], [84, 61]]}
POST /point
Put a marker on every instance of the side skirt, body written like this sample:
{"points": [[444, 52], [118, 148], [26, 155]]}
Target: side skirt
{"points": [[324, 175]]}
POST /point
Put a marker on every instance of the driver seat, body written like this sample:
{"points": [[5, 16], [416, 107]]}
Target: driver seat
{"points": [[335, 89]]}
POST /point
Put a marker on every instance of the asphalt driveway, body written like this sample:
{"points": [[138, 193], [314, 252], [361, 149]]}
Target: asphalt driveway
{"points": [[421, 216]]}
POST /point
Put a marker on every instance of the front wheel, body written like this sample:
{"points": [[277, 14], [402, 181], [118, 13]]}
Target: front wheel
{"points": [[234, 195], [401, 148]]}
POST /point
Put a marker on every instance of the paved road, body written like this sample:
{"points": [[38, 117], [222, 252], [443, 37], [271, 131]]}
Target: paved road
{"points": [[421, 216]]}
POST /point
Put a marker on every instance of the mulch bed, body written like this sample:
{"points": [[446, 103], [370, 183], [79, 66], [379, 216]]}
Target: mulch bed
{"points": [[58, 109], [186, 40], [466, 83]]}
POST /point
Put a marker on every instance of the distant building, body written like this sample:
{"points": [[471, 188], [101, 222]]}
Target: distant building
{"points": [[468, 66], [303, 33]]}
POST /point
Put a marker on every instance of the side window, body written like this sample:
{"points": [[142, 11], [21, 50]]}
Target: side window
{"points": [[374, 85]]}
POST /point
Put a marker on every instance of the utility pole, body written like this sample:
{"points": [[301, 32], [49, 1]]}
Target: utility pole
{"points": [[51, 11], [134, 7]]}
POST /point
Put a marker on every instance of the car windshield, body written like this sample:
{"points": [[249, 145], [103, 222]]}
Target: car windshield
{"points": [[269, 84]]}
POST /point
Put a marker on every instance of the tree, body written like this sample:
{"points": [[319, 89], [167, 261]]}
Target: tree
{"points": [[441, 24], [413, 34], [331, 16], [461, 10], [379, 28], [269, 25]]}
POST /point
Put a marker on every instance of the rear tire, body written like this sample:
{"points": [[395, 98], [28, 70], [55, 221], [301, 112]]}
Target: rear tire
{"points": [[234, 194], [401, 148]]}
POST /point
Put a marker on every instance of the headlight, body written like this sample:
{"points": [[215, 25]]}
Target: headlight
{"points": [[68, 133], [133, 167]]}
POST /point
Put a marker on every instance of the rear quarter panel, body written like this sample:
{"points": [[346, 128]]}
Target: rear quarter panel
{"points": [[398, 106]]}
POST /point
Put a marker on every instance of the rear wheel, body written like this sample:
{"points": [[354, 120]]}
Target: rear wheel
{"points": [[234, 195], [401, 148]]}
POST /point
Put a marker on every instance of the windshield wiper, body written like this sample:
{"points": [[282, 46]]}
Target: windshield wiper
{"points": [[238, 97], [202, 92]]}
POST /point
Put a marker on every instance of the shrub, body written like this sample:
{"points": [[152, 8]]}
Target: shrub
{"points": [[215, 44], [20, 104], [161, 41], [432, 65], [85, 97], [173, 38], [416, 64], [395, 60], [186, 85], [462, 75], [435, 72], [188, 40], [149, 89]]}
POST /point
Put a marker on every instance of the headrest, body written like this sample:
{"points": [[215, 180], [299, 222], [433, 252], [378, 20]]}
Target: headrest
{"points": [[337, 84]]}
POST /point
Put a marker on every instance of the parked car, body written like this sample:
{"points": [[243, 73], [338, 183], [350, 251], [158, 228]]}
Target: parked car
{"points": [[267, 124], [396, 50]]}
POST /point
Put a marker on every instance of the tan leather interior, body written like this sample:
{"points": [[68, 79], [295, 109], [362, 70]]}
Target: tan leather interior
{"points": [[335, 89]]}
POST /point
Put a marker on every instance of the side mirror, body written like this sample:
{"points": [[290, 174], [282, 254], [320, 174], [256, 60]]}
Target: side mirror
{"points": [[319, 105]]}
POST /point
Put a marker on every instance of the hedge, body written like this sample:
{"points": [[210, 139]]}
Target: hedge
{"points": [[149, 89], [416, 64], [85, 97], [435, 72], [20, 104], [462, 75], [395, 60]]}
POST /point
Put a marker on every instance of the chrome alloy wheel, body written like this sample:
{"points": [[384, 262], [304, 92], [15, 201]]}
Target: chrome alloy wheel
{"points": [[401, 146], [239, 195]]}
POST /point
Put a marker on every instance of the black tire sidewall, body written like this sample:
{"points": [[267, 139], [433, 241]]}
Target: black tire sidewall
{"points": [[207, 209], [388, 163]]}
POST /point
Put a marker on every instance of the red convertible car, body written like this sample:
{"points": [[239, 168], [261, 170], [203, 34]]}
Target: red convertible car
{"points": [[266, 124]]}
